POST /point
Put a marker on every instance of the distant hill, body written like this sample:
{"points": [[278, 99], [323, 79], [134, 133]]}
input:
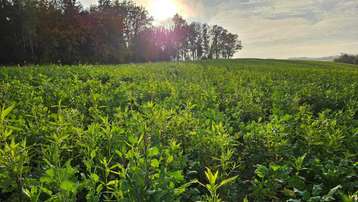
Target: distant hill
{"points": [[328, 58]]}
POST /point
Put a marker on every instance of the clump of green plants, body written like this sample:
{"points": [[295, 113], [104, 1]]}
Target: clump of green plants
{"points": [[180, 132], [213, 185]]}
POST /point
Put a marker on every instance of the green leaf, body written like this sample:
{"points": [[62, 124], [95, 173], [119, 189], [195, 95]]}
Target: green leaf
{"points": [[293, 200], [330, 195], [178, 191], [154, 151], [316, 190], [261, 171], [68, 186], [177, 175], [154, 163], [94, 177], [210, 176], [275, 167], [49, 177], [6, 111], [93, 154], [112, 182], [132, 139], [170, 159], [99, 188], [45, 190], [227, 181], [46, 179], [26, 192], [299, 162]]}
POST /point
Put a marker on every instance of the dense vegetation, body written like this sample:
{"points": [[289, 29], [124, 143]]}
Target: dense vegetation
{"points": [[62, 31], [240, 130], [347, 58]]}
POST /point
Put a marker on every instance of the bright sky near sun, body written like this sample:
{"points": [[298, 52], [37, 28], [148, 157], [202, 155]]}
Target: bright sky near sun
{"points": [[162, 9], [272, 28]]}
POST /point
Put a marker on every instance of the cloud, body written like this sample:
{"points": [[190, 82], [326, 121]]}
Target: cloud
{"points": [[282, 28]]}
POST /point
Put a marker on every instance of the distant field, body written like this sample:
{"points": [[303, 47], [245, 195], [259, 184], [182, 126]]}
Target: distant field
{"points": [[274, 130]]}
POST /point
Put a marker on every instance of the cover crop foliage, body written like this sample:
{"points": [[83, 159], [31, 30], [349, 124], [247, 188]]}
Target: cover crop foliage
{"points": [[238, 130]]}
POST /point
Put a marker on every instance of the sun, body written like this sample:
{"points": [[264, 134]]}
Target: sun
{"points": [[163, 9]]}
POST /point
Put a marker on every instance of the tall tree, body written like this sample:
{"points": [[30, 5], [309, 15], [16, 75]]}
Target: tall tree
{"points": [[231, 45], [136, 19], [216, 34], [195, 40], [180, 35], [206, 40]]}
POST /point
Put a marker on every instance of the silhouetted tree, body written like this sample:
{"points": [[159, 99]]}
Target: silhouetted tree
{"points": [[61, 31], [216, 33], [346, 58], [206, 40], [180, 36], [195, 40]]}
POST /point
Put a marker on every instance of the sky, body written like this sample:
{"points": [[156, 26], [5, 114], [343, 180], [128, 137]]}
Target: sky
{"points": [[275, 28]]}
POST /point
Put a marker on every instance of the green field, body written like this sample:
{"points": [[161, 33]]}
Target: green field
{"points": [[224, 130]]}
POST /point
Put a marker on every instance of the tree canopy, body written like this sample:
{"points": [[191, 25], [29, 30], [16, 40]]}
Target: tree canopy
{"points": [[62, 31], [347, 58]]}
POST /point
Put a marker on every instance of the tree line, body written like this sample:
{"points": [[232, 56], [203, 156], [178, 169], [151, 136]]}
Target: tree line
{"points": [[347, 58], [62, 31]]}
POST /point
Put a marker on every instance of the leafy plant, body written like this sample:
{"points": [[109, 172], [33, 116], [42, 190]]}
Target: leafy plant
{"points": [[149, 132], [213, 185]]}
